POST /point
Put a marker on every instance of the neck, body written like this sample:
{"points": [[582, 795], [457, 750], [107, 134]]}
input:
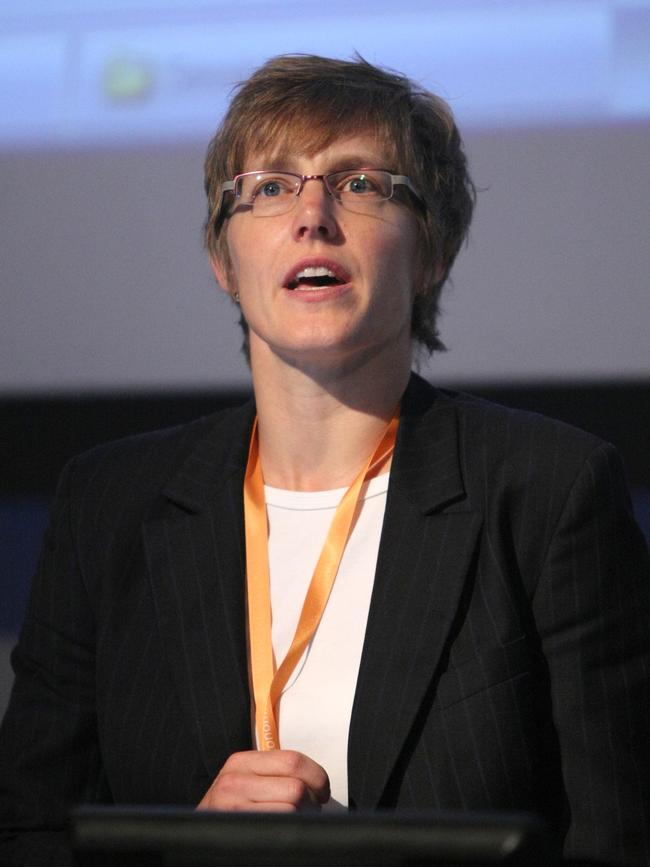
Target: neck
{"points": [[317, 430]]}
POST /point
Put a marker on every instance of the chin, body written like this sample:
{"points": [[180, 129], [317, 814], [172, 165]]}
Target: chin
{"points": [[317, 341]]}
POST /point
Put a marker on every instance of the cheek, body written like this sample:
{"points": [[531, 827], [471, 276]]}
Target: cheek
{"points": [[251, 253]]}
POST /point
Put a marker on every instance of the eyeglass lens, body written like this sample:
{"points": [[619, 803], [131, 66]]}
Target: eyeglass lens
{"points": [[272, 193]]}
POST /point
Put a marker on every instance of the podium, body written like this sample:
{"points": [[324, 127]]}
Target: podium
{"points": [[181, 837]]}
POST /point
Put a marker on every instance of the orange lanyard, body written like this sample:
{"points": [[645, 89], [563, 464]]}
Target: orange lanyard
{"points": [[267, 682]]}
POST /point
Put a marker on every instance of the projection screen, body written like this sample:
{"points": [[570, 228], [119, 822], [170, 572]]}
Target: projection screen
{"points": [[107, 108]]}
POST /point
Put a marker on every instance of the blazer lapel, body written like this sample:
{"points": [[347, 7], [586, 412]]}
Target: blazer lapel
{"points": [[196, 560], [427, 544]]}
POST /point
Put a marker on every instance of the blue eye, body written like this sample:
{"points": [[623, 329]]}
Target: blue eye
{"points": [[359, 185], [270, 188]]}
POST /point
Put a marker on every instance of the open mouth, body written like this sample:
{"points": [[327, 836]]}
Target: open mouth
{"points": [[315, 277]]}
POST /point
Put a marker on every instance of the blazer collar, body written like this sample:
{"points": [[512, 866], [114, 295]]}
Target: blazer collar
{"points": [[427, 463], [219, 454]]}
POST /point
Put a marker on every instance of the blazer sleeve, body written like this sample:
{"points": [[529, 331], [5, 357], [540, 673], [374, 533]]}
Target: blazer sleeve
{"points": [[49, 754], [592, 609]]}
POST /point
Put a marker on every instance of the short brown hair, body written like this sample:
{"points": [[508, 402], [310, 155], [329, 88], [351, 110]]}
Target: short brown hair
{"points": [[314, 101]]}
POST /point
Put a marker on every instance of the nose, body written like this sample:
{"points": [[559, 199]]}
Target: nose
{"points": [[314, 215]]}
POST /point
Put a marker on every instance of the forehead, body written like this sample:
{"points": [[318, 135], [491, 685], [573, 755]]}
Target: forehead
{"points": [[355, 150]]}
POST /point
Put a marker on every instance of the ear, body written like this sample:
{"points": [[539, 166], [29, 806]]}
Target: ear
{"points": [[223, 276], [439, 273]]}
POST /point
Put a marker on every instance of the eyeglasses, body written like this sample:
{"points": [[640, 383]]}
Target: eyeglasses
{"points": [[271, 193]]}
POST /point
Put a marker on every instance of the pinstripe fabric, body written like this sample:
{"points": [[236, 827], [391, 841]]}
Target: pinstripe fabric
{"points": [[506, 655]]}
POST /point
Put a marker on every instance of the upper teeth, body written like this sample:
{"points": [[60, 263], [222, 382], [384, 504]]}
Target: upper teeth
{"points": [[314, 271]]}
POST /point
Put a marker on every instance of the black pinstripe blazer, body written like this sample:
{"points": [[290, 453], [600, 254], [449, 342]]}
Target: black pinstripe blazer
{"points": [[506, 657]]}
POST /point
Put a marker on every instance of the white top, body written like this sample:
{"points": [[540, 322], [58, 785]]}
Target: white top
{"points": [[315, 708]]}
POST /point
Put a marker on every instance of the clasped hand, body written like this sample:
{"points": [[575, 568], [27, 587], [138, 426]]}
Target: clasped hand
{"points": [[274, 781]]}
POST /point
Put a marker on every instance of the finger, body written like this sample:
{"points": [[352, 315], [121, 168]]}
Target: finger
{"points": [[282, 763], [300, 767], [262, 807], [232, 790]]}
